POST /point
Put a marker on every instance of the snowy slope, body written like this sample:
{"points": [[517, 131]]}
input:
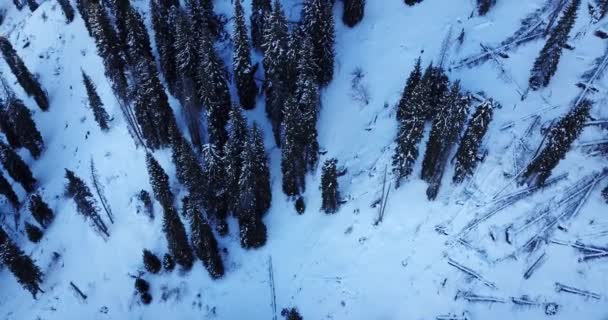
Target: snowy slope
{"points": [[330, 267]]}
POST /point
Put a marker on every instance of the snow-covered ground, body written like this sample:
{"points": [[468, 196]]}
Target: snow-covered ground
{"points": [[340, 266]]}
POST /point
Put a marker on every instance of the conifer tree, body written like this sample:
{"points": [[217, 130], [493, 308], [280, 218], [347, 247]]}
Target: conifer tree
{"points": [[409, 133], [159, 181], [412, 2], [203, 241], [28, 82], [483, 6], [151, 261], [292, 162], [100, 28], [215, 194], [186, 64], [294, 44], [101, 116], [20, 123], [467, 154], [165, 38], [6, 127], [436, 86], [203, 19], [307, 95], [213, 91], [559, 140], [34, 234], [261, 171], [21, 266], [413, 81], [85, 202], [252, 229], [237, 143], [17, 168], [187, 168], [18, 4], [353, 12], [545, 65], [7, 190], [602, 8], [172, 225], [291, 314], [133, 34], [243, 71], [446, 129], [318, 23], [329, 187], [260, 12], [32, 4], [276, 67], [67, 9], [40, 210]]}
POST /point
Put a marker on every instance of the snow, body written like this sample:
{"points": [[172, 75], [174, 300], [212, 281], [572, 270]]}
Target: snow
{"points": [[330, 266]]}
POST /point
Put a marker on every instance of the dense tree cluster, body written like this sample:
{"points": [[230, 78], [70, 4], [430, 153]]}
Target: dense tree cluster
{"points": [[318, 23], [559, 140], [26, 79], [546, 63], [20, 265]]}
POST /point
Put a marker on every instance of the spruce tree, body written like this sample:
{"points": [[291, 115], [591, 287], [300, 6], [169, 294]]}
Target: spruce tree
{"points": [[7, 128], [85, 202], [18, 4], [546, 64], [100, 28], [17, 168], [20, 122], [215, 194], [483, 6], [294, 44], [436, 86], [467, 154], [40, 210], [32, 4], [252, 229], [353, 12], [203, 241], [559, 140], [411, 84], [28, 82], [34, 234], [159, 181], [261, 171], [276, 67], [260, 12], [7, 190], [151, 261], [172, 225], [233, 154], [186, 63], [307, 95], [329, 187], [187, 167], [446, 129], [412, 2], [101, 116], [67, 9], [21, 266], [602, 8], [292, 161], [213, 91], [291, 314], [243, 71], [165, 38], [318, 24]]}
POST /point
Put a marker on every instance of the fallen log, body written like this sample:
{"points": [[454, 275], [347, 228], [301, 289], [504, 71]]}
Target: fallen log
{"points": [[564, 288], [537, 264], [470, 272]]}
